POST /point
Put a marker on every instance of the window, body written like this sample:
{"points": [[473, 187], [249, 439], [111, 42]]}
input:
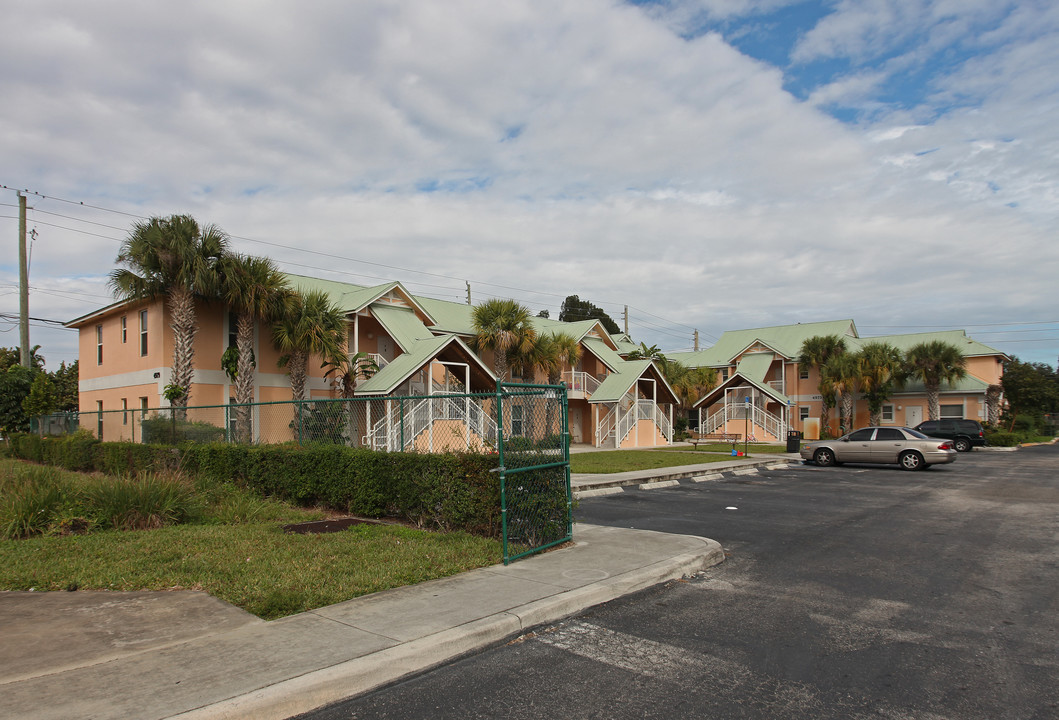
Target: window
{"points": [[803, 373], [233, 323], [724, 374], [99, 422], [889, 434], [143, 333], [124, 411], [887, 413], [124, 329], [99, 345], [952, 411], [861, 435], [803, 413], [516, 420], [143, 408]]}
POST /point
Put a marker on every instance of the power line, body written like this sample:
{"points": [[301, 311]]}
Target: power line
{"points": [[315, 252]]}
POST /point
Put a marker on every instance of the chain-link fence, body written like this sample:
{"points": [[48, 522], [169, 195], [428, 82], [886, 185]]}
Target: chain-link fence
{"points": [[534, 449], [526, 425]]}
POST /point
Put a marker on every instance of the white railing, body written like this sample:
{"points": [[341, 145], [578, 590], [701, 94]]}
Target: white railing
{"points": [[580, 382], [605, 427], [664, 425], [625, 425], [387, 432], [776, 385], [759, 418]]}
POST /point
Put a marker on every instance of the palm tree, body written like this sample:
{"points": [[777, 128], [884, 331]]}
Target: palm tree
{"points": [[309, 325], [880, 365], [502, 326], [552, 354], [175, 259], [254, 288], [815, 353], [843, 374], [933, 363], [646, 353], [347, 371]]}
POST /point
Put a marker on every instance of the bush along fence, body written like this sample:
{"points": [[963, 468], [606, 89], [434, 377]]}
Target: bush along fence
{"points": [[492, 464]]}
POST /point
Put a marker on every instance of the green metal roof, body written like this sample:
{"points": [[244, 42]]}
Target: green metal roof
{"points": [[619, 382], [785, 340], [968, 346], [404, 365], [604, 352], [403, 325], [772, 392], [754, 366], [352, 298]]}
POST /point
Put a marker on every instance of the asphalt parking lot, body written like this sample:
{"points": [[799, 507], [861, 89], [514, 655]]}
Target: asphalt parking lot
{"points": [[847, 592]]}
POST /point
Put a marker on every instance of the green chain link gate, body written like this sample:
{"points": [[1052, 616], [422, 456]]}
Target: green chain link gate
{"points": [[533, 443]]}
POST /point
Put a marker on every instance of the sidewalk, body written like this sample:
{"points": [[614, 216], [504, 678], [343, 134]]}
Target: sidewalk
{"points": [[187, 655]]}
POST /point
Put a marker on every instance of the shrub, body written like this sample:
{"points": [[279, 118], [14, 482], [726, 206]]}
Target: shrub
{"points": [[1002, 439], [164, 429], [30, 501], [131, 503]]}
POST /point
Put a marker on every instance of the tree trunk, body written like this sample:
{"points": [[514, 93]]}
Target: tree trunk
{"points": [[299, 362], [933, 409], [244, 379], [847, 408], [992, 404], [182, 310]]}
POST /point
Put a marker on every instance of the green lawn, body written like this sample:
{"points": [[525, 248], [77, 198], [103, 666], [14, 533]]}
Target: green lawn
{"points": [[256, 566], [614, 461], [234, 548]]}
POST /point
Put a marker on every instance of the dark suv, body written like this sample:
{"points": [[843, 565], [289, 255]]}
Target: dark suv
{"points": [[965, 434]]}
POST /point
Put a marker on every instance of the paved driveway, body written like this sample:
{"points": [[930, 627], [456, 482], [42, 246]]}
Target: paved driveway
{"points": [[852, 592]]}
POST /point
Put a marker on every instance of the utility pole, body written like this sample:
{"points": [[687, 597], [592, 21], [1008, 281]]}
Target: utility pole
{"points": [[23, 286], [468, 292], [696, 341], [626, 319]]}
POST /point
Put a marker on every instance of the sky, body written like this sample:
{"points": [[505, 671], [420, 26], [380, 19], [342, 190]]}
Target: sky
{"points": [[711, 164]]}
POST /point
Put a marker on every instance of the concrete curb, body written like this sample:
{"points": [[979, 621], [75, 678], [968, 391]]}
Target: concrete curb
{"points": [[584, 486], [363, 674]]}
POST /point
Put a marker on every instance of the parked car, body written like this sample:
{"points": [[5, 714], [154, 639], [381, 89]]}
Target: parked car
{"points": [[965, 434], [909, 448]]}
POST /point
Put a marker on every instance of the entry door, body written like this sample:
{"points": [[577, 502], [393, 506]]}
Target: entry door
{"points": [[574, 419], [913, 415], [386, 348]]}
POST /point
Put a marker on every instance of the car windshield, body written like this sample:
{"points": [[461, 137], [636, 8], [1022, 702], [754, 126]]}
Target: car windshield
{"points": [[915, 433]]}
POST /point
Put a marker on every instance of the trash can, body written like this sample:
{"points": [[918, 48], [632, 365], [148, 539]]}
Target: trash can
{"points": [[794, 441]]}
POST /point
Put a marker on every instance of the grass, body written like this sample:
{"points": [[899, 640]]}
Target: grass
{"points": [[615, 461], [234, 549]]}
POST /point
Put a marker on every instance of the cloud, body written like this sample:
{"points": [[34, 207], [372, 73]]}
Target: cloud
{"points": [[539, 149]]}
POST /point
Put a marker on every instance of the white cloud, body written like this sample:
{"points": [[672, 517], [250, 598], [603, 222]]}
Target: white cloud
{"points": [[549, 147]]}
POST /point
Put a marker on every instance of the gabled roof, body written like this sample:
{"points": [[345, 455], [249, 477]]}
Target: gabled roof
{"points": [[422, 352], [607, 355], [968, 346], [754, 366], [628, 373], [737, 379], [402, 324], [784, 340], [354, 298]]}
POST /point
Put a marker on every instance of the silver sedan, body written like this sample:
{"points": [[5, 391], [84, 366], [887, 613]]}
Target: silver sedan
{"points": [[909, 448]]}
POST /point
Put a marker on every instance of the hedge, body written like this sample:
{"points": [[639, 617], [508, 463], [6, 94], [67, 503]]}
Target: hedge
{"points": [[445, 491]]}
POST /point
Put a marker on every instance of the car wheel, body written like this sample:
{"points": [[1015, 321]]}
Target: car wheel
{"points": [[962, 445], [824, 457], [911, 461]]}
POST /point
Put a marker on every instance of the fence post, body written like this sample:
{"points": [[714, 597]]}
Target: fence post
{"points": [[503, 477], [300, 413], [400, 407]]}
